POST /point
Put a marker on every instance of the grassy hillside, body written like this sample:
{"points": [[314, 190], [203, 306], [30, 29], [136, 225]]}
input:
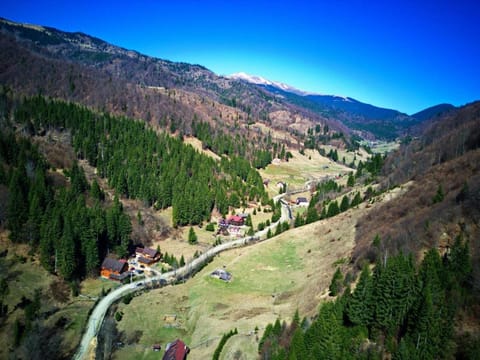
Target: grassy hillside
{"points": [[270, 280], [62, 317]]}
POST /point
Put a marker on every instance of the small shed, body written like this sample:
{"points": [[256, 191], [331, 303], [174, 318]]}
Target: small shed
{"points": [[221, 274], [301, 200]]}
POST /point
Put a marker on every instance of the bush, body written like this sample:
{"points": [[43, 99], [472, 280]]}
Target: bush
{"points": [[210, 227], [118, 316], [127, 298]]}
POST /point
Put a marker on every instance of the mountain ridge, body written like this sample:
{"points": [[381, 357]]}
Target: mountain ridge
{"points": [[265, 101], [355, 114]]}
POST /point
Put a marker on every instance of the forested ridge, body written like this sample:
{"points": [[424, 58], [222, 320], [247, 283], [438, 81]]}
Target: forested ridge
{"points": [[399, 311], [157, 168], [142, 164], [70, 236]]}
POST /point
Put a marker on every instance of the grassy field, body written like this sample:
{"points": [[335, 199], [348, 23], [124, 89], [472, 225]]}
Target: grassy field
{"points": [[300, 169], [270, 280], [382, 147]]}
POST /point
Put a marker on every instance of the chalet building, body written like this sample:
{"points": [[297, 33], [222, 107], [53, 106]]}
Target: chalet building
{"points": [[114, 269], [147, 256], [236, 220], [176, 350]]}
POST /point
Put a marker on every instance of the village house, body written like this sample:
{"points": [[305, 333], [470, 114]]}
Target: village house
{"points": [[176, 350], [147, 256], [114, 269], [236, 220]]}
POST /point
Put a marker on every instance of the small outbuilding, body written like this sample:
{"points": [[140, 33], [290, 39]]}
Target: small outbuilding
{"points": [[301, 201], [221, 274]]}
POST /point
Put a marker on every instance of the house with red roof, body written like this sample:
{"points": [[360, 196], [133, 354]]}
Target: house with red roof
{"points": [[176, 350], [236, 220]]}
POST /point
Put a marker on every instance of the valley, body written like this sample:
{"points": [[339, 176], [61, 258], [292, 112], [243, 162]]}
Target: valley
{"points": [[349, 230], [271, 280]]}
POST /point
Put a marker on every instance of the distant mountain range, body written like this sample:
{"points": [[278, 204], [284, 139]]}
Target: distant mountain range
{"points": [[355, 114], [83, 68]]}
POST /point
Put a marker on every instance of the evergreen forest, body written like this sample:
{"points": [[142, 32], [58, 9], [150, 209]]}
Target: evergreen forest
{"points": [[71, 223], [397, 310]]}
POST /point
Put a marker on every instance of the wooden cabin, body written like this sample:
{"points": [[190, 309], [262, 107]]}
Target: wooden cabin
{"points": [[114, 269]]}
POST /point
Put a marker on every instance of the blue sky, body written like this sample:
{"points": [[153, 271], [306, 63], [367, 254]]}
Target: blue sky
{"points": [[406, 55]]}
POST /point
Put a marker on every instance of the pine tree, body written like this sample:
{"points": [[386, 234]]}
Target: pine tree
{"points": [[345, 204], [298, 221], [312, 215], [298, 350], [459, 262], [192, 237], [360, 306], [92, 260], [96, 192], [439, 195], [351, 180], [394, 292], [269, 233], [323, 339], [17, 206], [336, 283], [357, 199], [66, 252], [124, 230], [333, 209]]}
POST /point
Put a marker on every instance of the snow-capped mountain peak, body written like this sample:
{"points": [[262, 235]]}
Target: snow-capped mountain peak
{"points": [[250, 78], [258, 80]]}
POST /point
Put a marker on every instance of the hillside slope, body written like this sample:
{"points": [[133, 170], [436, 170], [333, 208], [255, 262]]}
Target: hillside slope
{"points": [[444, 200], [270, 280]]}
